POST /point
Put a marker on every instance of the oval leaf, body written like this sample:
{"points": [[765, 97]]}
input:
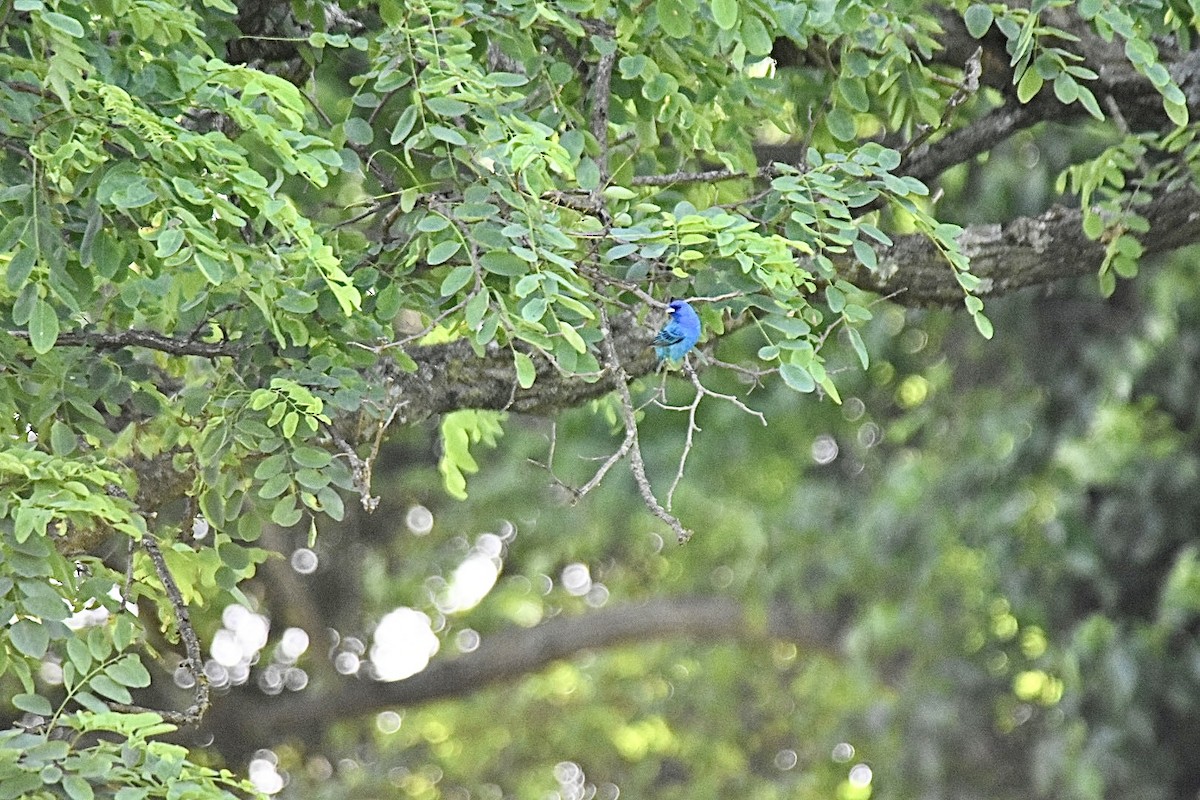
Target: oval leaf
{"points": [[43, 327], [797, 377], [457, 279], [442, 252]]}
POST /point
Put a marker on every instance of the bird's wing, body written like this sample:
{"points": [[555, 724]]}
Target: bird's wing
{"points": [[668, 336]]}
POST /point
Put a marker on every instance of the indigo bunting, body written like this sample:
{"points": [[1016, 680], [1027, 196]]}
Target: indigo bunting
{"points": [[679, 334]]}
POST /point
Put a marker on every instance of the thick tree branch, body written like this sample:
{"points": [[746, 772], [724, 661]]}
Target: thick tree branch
{"points": [[451, 376], [98, 340], [1027, 251], [510, 654]]}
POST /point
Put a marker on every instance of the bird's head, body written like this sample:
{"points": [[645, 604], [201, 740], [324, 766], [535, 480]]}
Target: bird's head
{"points": [[675, 305]]}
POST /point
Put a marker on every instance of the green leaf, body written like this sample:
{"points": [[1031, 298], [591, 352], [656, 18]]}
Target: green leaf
{"points": [[1065, 88], [123, 632], [674, 18], [20, 267], [404, 124], [43, 327], [503, 262], [285, 514], [79, 655], [442, 252], [1029, 85], [978, 19], [836, 299], [275, 486], [106, 686], [755, 36], [331, 503], [358, 131], [41, 600], [209, 267], [572, 336], [169, 242], [1176, 111], [841, 124], [854, 92], [77, 788], [456, 279], [861, 349], [1088, 101], [983, 324], [312, 479], [33, 703], [311, 457], [526, 373], [64, 24], [797, 377], [99, 644], [62, 439], [587, 174], [433, 223], [866, 254], [447, 106], [128, 671], [448, 135], [29, 637], [477, 306], [725, 13]]}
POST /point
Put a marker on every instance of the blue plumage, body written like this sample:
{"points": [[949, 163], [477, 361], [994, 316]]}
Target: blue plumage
{"points": [[680, 333]]}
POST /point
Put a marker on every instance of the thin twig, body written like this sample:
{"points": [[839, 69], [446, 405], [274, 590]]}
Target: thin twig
{"points": [[716, 298], [969, 86], [704, 390], [756, 375], [380, 348], [191, 643], [636, 465], [630, 439], [626, 286], [707, 176], [692, 429], [360, 468]]}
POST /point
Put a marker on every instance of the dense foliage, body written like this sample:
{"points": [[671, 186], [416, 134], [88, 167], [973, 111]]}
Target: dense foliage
{"points": [[280, 276]]}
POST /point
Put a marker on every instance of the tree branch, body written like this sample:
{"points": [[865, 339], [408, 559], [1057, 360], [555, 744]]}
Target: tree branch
{"points": [[1028, 251], [510, 654], [98, 340]]}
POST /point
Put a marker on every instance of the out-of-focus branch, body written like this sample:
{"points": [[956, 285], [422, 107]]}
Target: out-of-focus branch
{"points": [[252, 720]]}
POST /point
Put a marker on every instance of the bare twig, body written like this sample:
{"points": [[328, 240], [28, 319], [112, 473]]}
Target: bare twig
{"points": [[360, 467], [636, 465], [630, 439], [707, 176], [969, 86], [692, 429], [191, 643], [705, 391], [702, 391], [421, 334], [626, 286], [716, 298]]}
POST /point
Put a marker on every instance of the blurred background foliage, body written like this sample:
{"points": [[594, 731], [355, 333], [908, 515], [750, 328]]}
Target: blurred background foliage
{"points": [[1008, 528], [1001, 533]]}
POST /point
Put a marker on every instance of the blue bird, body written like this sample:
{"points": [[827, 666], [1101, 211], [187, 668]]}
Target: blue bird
{"points": [[679, 334]]}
